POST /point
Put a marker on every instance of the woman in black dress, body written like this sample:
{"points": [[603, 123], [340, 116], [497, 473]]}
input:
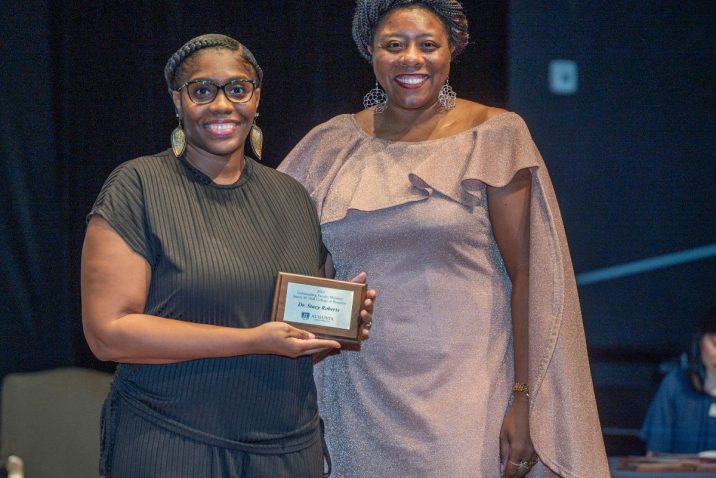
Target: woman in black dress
{"points": [[178, 268]]}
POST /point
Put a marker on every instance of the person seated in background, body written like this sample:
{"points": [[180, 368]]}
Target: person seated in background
{"points": [[682, 415]]}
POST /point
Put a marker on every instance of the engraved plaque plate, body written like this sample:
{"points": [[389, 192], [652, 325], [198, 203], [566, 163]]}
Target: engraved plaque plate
{"points": [[328, 308]]}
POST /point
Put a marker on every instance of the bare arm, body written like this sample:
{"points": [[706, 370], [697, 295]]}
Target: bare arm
{"points": [[510, 215], [509, 208], [115, 284]]}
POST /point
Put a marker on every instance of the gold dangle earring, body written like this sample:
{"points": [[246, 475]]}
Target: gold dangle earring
{"points": [[178, 139], [256, 138]]}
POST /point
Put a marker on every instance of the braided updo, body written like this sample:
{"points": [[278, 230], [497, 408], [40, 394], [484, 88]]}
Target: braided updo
{"points": [[369, 14], [210, 40]]}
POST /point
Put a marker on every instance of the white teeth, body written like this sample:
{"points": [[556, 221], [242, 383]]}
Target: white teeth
{"points": [[410, 80], [221, 126]]}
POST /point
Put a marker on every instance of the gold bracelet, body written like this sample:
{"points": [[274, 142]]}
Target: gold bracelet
{"points": [[521, 388]]}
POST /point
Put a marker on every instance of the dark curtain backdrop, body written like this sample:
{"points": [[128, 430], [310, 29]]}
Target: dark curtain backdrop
{"points": [[36, 328], [83, 91]]}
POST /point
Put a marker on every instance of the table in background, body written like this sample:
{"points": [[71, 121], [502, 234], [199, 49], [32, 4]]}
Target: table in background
{"points": [[616, 473]]}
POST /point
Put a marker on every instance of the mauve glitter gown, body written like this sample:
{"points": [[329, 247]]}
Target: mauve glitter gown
{"points": [[426, 395]]}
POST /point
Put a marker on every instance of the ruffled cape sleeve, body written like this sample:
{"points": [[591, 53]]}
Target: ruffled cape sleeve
{"points": [[564, 422]]}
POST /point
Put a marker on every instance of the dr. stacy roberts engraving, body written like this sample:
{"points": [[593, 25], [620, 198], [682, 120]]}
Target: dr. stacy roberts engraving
{"points": [[318, 305]]}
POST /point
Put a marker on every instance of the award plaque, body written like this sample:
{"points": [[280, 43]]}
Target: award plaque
{"points": [[328, 308]]}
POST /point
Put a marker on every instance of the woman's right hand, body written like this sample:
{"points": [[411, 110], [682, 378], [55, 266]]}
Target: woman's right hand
{"points": [[280, 338]]}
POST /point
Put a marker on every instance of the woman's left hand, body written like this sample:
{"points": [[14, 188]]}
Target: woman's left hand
{"points": [[366, 316], [366, 311], [517, 454]]}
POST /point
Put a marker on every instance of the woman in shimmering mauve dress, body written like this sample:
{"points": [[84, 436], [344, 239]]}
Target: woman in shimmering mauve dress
{"points": [[477, 364]]}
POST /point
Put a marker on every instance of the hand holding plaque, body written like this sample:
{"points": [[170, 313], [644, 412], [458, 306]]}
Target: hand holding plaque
{"points": [[328, 308]]}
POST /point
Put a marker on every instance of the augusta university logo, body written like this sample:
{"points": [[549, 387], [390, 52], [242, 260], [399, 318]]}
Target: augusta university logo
{"points": [[305, 315]]}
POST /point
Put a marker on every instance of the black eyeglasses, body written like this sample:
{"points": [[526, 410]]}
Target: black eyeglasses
{"points": [[203, 92]]}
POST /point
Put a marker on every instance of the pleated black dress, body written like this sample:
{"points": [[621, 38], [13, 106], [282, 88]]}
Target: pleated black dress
{"points": [[214, 251]]}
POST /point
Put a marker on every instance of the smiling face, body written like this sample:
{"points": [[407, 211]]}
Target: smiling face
{"points": [[411, 57], [218, 128]]}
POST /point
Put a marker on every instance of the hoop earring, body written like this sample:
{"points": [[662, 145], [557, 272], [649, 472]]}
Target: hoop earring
{"points": [[376, 98], [256, 138], [447, 96], [178, 139]]}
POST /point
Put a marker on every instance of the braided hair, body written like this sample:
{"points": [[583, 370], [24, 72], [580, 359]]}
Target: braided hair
{"points": [[369, 13], [210, 40]]}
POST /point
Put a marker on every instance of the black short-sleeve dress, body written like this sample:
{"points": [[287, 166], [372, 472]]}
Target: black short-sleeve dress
{"points": [[214, 251]]}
